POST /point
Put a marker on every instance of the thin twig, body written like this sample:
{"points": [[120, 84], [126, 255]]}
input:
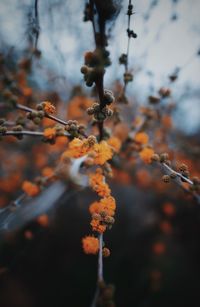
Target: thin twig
{"points": [[100, 270], [37, 26], [130, 34], [27, 109], [100, 258], [179, 178], [178, 174], [128, 43], [26, 132], [23, 132]]}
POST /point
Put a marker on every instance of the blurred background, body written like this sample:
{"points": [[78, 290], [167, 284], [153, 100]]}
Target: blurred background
{"points": [[154, 242]]}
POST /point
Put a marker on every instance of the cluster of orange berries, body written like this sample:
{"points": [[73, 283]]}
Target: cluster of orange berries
{"points": [[90, 246], [102, 211], [79, 147], [102, 214], [99, 153], [98, 184]]}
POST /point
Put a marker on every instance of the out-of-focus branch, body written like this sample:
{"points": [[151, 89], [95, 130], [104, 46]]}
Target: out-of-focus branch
{"points": [[37, 26]]}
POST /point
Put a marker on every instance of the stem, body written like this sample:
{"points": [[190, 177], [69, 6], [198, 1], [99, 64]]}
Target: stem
{"points": [[128, 43], [100, 258], [56, 119], [100, 270], [16, 133], [36, 9], [52, 117], [23, 108], [99, 81], [178, 174], [27, 109], [25, 132], [37, 23], [178, 180], [128, 48]]}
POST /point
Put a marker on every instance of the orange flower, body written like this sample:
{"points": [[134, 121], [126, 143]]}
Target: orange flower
{"points": [[141, 138], [97, 226], [115, 143], [77, 148], [90, 245], [146, 154], [49, 133], [97, 182], [48, 107], [106, 205], [102, 153], [94, 207], [30, 188]]}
